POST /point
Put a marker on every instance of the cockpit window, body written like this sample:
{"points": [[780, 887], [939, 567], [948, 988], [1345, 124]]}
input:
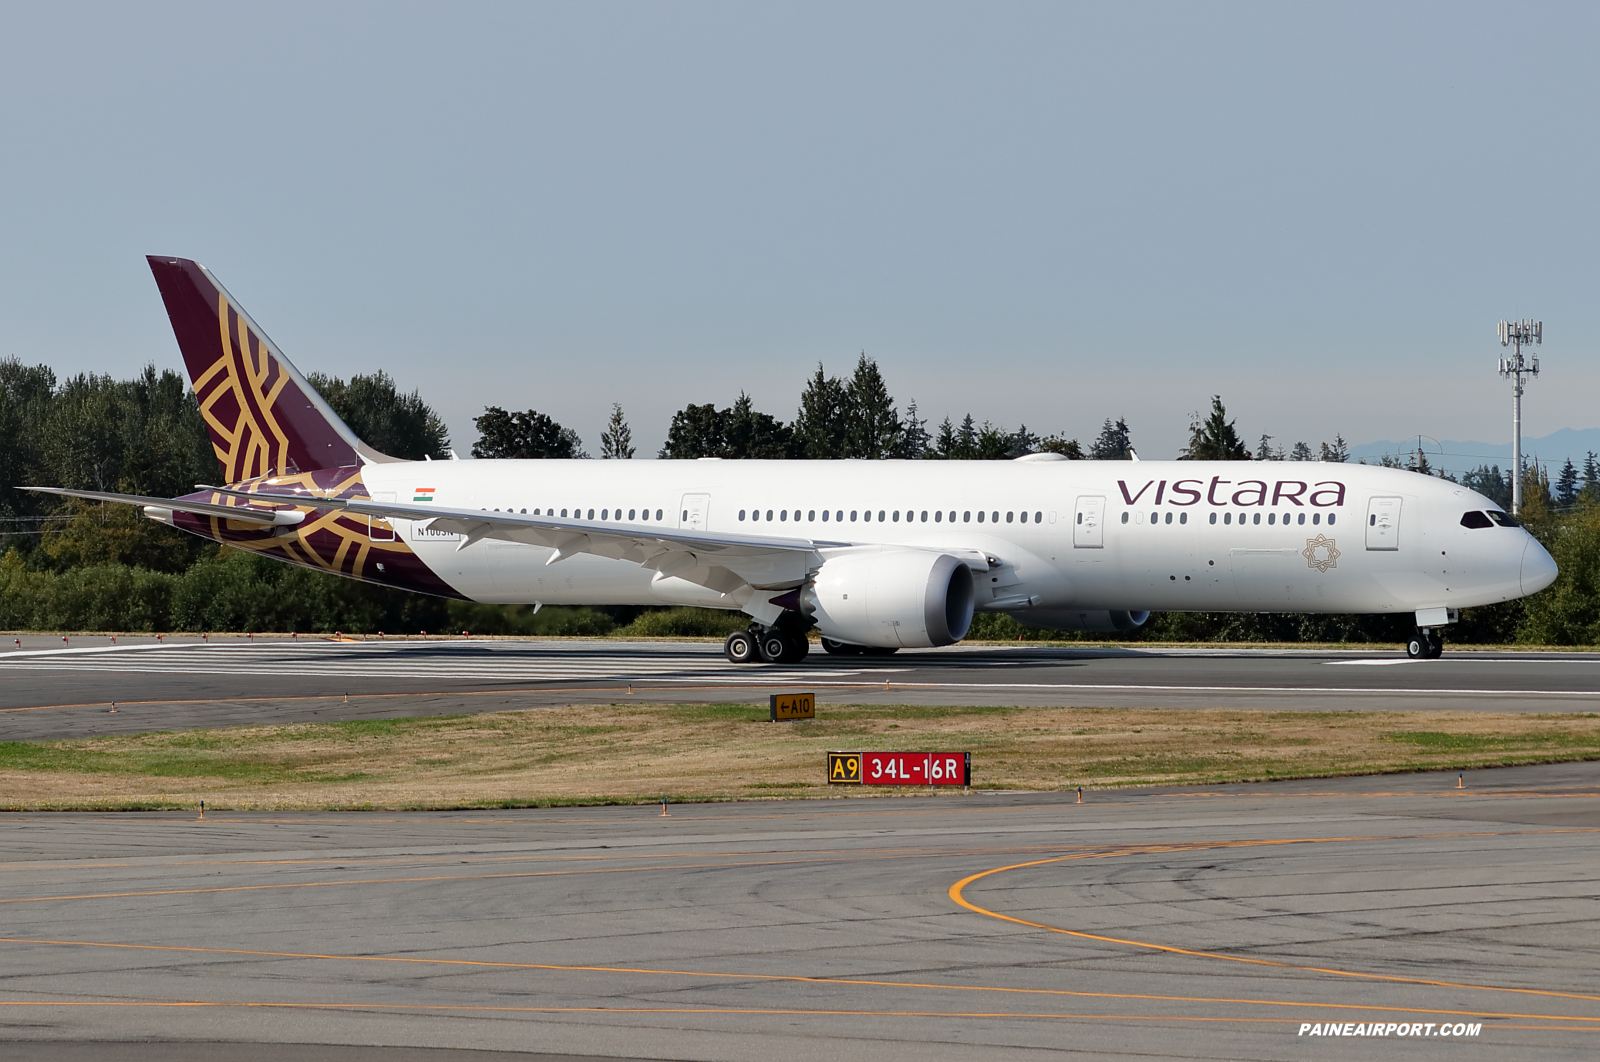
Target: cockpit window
{"points": [[1475, 519], [1504, 519]]}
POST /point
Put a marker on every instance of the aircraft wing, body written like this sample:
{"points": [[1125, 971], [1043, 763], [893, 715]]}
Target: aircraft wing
{"points": [[722, 562], [243, 514]]}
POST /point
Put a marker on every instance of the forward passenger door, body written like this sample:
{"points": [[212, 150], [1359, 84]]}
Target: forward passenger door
{"points": [[1383, 523], [1088, 531]]}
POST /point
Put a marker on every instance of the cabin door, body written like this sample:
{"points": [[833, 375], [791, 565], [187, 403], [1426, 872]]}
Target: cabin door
{"points": [[1088, 531], [1383, 523], [695, 512]]}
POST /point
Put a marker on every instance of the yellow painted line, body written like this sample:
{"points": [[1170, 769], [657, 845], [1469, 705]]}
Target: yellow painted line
{"points": [[793, 979], [957, 890]]}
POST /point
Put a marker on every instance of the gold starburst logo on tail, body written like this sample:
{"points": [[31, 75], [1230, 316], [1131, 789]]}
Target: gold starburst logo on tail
{"points": [[1320, 553]]}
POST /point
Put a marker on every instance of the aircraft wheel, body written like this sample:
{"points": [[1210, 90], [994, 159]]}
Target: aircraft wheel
{"points": [[1418, 646], [774, 646], [741, 648], [799, 647], [1435, 645]]}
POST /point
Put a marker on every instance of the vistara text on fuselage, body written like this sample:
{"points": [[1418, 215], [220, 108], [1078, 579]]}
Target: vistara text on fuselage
{"points": [[875, 555]]}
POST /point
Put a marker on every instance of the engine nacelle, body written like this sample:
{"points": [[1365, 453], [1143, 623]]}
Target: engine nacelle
{"points": [[892, 598], [1067, 619]]}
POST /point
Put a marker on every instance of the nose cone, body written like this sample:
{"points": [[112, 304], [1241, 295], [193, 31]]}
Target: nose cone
{"points": [[1538, 567]]}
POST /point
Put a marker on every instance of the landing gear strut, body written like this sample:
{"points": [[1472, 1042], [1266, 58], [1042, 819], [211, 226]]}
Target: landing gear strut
{"points": [[1425, 644]]}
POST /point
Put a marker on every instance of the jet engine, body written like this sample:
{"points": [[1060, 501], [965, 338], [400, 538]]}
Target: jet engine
{"points": [[892, 598], [1068, 619]]}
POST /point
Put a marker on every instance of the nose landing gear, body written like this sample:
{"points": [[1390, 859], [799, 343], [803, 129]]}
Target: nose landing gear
{"points": [[1425, 644]]}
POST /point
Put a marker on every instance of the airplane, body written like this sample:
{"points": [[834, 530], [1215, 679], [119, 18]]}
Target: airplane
{"points": [[874, 555]]}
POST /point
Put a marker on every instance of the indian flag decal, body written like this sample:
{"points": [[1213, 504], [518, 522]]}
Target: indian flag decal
{"points": [[424, 494]]}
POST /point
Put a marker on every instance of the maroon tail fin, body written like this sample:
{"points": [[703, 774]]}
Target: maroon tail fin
{"points": [[264, 418]]}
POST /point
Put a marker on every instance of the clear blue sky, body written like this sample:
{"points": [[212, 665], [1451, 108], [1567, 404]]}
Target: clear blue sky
{"points": [[1047, 214]]}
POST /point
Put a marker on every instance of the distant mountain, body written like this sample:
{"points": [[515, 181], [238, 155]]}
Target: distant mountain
{"points": [[1456, 456]]}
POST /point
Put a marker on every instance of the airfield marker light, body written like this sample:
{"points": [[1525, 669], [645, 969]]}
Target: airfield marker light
{"points": [[1516, 335], [1461, 780], [664, 808], [202, 809], [1080, 794]]}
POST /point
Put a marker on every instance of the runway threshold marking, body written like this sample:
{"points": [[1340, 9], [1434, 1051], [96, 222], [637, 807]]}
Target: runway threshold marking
{"points": [[790, 978], [957, 890]]}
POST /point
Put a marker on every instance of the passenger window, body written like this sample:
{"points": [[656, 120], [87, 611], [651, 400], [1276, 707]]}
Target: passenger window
{"points": [[1155, 518], [1302, 519], [866, 516], [1316, 518], [658, 514], [966, 517], [1213, 517], [1124, 518], [938, 516], [897, 516], [1272, 518], [1183, 517], [1009, 516], [852, 516], [1169, 518], [783, 515], [812, 514], [769, 514], [1330, 518], [980, 518], [741, 515], [880, 516], [1227, 518], [1039, 517], [1256, 519], [924, 516], [591, 514], [824, 516], [994, 518]]}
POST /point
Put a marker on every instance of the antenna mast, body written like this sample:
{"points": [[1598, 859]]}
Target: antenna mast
{"points": [[1516, 335]]}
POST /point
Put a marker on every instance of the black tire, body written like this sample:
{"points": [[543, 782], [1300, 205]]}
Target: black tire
{"points": [[838, 648], [774, 646], [741, 648], [799, 647], [1417, 647], [1435, 645]]}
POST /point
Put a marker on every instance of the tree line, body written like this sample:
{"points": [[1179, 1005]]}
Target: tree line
{"points": [[69, 564]]}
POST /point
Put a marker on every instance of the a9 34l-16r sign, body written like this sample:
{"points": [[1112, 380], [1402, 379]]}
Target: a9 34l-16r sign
{"points": [[900, 768]]}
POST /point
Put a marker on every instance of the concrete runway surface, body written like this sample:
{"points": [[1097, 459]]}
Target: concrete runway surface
{"points": [[1187, 923], [50, 690]]}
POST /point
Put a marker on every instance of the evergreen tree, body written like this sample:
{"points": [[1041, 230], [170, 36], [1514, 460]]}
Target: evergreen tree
{"points": [[874, 423], [1338, 452], [1114, 442], [1591, 480], [1301, 452], [616, 441], [1265, 452], [1022, 442], [993, 444], [400, 425], [944, 445], [966, 439], [525, 434], [749, 433], [1214, 438], [1567, 485], [914, 437], [696, 431], [1058, 444], [822, 427], [1490, 482]]}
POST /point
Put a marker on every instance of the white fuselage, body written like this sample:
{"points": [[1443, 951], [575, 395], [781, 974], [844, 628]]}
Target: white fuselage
{"points": [[1148, 535]]}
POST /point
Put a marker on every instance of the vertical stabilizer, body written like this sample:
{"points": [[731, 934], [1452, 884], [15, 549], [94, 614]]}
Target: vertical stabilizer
{"points": [[264, 418]]}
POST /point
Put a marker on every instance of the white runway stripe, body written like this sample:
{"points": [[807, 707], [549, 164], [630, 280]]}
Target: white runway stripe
{"points": [[564, 662]]}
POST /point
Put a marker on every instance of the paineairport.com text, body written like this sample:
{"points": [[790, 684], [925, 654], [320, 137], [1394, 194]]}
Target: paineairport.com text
{"points": [[1379, 1028]]}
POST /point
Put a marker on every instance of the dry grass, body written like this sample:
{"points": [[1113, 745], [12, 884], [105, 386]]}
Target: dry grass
{"points": [[643, 752]]}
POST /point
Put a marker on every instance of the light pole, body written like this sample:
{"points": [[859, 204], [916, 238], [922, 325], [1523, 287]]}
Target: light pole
{"points": [[1516, 335]]}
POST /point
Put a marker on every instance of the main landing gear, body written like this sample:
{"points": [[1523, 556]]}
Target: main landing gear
{"points": [[1425, 644], [783, 644]]}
